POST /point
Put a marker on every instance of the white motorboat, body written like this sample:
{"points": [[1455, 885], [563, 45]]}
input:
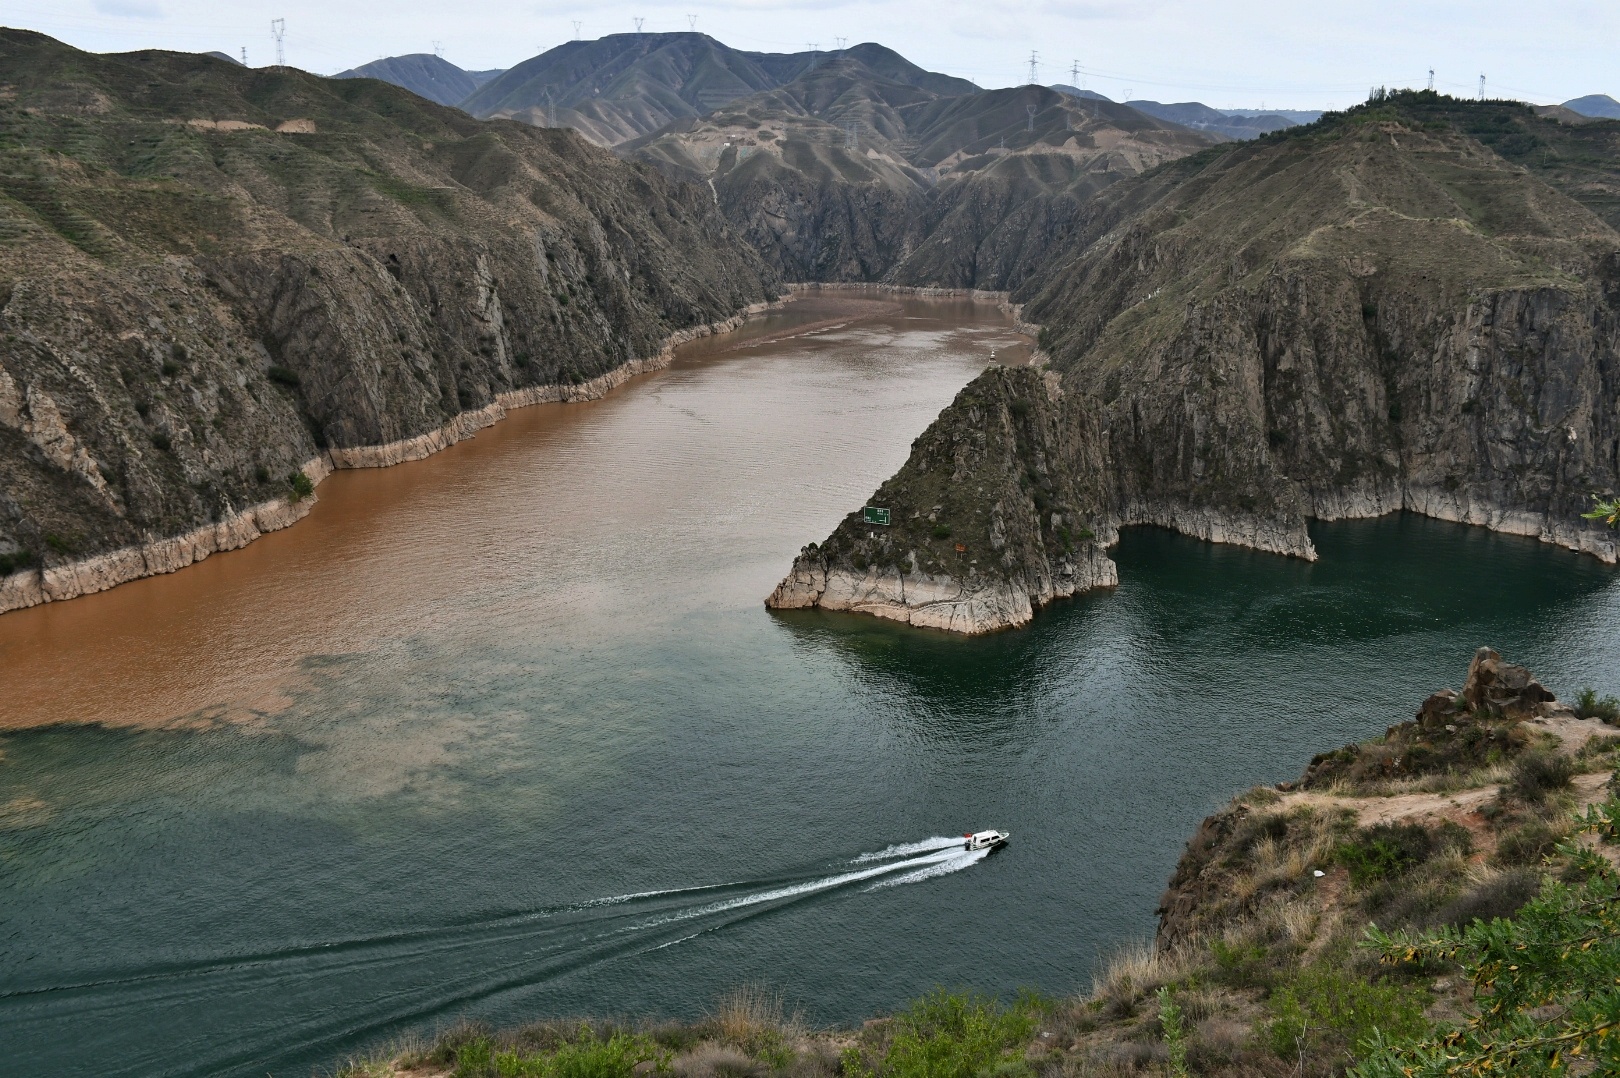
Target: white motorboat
{"points": [[986, 840]]}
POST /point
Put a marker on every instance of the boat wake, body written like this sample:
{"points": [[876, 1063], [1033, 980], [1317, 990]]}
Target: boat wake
{"points": [[413, 976]]}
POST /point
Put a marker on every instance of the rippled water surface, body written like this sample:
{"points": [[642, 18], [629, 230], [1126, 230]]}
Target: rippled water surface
{"points": [[507, 732]]}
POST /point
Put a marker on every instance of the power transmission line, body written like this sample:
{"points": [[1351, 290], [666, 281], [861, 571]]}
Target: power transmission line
{"points": [[691, 23], [1031, 110], [1431, 78], [813, 45], [438, 49], [638, 21], [1482, 86], [576, 29], [278, 30], [1074, 73], [1033, 59], [244, 55]]}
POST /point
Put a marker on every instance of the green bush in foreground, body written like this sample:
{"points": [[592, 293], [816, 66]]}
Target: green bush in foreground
{"points": [[1546, 984], [1174, 1025], [584, 1057], [1323, 1012], [952, 1035], [1589, 705]]}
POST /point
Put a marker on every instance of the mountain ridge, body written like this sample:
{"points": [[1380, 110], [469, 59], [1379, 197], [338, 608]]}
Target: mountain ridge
{"points": [[425, 75]]}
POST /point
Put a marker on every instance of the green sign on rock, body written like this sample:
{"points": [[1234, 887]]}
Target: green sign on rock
{"points": [[873, 515]]}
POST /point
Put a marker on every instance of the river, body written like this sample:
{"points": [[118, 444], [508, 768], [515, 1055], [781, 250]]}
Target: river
{"points": [[508, 732]]}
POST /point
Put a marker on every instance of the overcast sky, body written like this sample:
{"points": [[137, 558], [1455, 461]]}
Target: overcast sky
{"points": [[1227, 53]]}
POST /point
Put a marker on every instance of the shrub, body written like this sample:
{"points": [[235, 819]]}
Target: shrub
{"points": [[953, 1035], [1323, 1011], [300, 485], [58, 543], [170, 368], [1588, 705], [261, 474], [282, 376], [1598, 745], [1502, 895], [942, 531], [1388, 849], [586, 1056], [178, 351], [1537, 774], [1175, 1033], [1527, 845], [17, 559], [751, 1018], [1546, 980]]}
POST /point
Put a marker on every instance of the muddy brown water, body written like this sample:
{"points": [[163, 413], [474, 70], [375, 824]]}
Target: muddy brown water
{"points": [[818, 400]]}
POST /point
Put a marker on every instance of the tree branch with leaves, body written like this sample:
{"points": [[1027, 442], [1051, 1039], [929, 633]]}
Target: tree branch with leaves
{"points": [[1606, 511], [1546, 983]]}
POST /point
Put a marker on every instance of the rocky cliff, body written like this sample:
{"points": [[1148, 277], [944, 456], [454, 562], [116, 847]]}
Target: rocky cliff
{"points": [[989, 519], [1371, 314], [217, 282]]}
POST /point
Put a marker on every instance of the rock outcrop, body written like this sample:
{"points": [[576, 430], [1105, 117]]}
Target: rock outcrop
{"points": [[1502, 713], [190, 315], [997, 512], [1501, 689]]}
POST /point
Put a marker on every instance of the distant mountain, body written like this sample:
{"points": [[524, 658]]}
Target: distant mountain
{"points": [[1232, 123], [844, 173], [1598, 106], [1075, 91], [224, 56], [1201, 117], [1299, 116], [423, 74], [623, 86]]}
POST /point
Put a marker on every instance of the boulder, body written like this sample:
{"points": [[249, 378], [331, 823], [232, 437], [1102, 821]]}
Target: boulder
{"points": [[1499, 688]]}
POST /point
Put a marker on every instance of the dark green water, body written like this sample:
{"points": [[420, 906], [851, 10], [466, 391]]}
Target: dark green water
{"points": [[596, 776]]}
